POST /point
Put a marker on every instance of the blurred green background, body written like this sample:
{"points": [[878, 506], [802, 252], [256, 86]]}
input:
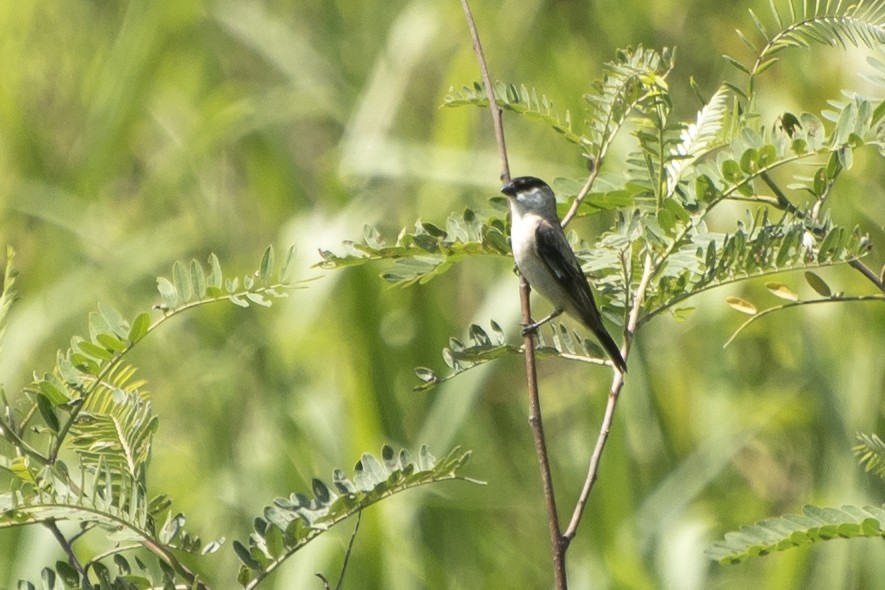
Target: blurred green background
{"points": [[136, 133]]}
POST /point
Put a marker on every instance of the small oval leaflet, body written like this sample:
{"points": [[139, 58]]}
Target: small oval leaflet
{"points": [[742, 305], [782, 291], [818, 284]]}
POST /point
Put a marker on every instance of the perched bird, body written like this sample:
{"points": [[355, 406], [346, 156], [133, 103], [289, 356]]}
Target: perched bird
{"points": [[546, 260]]}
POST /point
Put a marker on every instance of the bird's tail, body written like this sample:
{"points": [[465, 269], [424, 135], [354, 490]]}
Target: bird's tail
{"points": [[611, 348]]}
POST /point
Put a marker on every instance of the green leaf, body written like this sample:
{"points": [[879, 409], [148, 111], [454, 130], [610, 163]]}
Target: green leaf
{"points": [[290, 523], [731, 171], [832, 244], [167, 292], [111, 343], [265, 269], [814, 131], [750, 161], [239, 301], [47, 412], [69, 575], [258, 298], [139, 328], [818, 284], [244, 556], [812, 526], [113, 320], [181, 281], [735, 62], [286, 270], [53, 389], [198, 279], [94, 350], [215, 279]]}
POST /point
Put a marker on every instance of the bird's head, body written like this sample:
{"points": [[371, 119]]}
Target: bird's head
{"points": [[531, 195]]}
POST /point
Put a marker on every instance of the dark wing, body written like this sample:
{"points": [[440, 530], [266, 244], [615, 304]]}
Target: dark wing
{"points": [[556, 252]]}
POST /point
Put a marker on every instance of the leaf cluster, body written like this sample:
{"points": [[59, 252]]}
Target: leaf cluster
{"points": [[91, 407], [794, 530], [681, 172], [814, 525], [78, 440], [831, 23], [290, 523], [427, 251]]}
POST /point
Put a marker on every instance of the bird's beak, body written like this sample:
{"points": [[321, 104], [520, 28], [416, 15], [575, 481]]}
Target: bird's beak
{"points": [[509, 190]]}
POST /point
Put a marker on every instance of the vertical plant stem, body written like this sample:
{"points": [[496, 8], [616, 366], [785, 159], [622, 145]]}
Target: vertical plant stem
{"points": [[556, 545], [490, 92]]}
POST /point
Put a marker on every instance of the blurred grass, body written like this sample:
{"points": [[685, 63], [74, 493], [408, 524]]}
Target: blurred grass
{"points": [[132, 134]]}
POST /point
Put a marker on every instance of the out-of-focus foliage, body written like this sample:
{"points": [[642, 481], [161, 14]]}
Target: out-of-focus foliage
{"points": [[90, 405], [814, 524], [136, 134]]}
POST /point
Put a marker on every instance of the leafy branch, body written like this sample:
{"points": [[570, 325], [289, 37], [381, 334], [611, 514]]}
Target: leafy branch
{"points": [[814, 525], [784, 292], [825, 23], [870, 453], [91, 404], [794, 530], [290, 523], [521, 100], [427, 251]]}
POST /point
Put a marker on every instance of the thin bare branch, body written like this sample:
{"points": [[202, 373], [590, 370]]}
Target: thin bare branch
{"points": [[868, 273], [614, 393], [490, 92], [573, 210], [535, 422], [537, 427], [66, 546], [765, 312]]}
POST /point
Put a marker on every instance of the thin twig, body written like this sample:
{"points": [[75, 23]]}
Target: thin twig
{"points": [[782, 201], [863, 269], [765, 312], [537, 426], [356, 528], [535, 422], [573, 210], [617, 385], [490, 92], [66, 546]]}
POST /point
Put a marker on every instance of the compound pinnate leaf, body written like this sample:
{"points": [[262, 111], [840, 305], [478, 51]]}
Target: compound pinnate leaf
{"points": [[290, 523]]}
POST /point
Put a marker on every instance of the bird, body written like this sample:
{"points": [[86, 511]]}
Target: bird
{"points": [[546, 260]]}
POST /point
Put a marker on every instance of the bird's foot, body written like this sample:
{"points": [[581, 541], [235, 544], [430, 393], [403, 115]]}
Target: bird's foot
{"points": [[530, 328]]}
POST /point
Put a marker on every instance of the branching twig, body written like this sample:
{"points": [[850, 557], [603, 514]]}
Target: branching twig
{"points": [[617, 385], [765, 312], [356, 528], [66, 546], [782, 201]]}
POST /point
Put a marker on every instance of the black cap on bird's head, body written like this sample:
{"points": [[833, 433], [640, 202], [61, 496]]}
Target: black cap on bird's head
{"points": [[521, 184]]}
